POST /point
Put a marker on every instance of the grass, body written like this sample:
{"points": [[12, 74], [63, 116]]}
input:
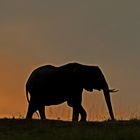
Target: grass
{"points": [[20, 129]]}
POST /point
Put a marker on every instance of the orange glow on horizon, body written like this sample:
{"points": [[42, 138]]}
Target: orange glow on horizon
{"points": [[13, 100]]}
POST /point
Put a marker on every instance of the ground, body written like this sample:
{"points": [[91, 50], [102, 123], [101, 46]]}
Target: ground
{"points": [[20, 129]]}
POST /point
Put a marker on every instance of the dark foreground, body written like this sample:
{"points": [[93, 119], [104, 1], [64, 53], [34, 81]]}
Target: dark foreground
{"points": [[12, 129]]}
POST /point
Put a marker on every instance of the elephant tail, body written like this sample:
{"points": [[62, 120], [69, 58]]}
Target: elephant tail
{"points": [[27, 95]]}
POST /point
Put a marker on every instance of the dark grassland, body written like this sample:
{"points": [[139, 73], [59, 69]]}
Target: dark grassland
{"points": [[20, 129]]}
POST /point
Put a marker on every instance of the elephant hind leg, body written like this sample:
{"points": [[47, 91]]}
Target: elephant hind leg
{"points": [[31, 109], [42, 112]]}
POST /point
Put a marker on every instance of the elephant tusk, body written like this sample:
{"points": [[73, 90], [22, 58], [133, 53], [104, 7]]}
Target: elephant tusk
{"points": [[113, 90]]}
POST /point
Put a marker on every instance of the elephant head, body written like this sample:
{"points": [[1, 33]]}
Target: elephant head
{"points": [[91, 77]]}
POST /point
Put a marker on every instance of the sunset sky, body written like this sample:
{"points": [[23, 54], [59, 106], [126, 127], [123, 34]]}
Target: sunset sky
{"points": [[95, 32]]}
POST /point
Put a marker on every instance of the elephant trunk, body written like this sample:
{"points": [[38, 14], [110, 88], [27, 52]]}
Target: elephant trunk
{"points": [[108, 102]]}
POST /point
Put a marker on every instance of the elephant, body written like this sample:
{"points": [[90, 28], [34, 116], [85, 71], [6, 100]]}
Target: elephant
{"points": [[50, 85]]}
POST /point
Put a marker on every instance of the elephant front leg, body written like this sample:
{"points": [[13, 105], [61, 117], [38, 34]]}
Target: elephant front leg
{"points": [[79, 110], [82, 113], [75, 115]]}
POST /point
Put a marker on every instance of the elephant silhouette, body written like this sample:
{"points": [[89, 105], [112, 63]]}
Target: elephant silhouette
{"points": [[50, 85]]}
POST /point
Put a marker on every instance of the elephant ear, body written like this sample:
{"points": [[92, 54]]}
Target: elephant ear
{"points": [[78, 73], [92, 78], [82, 74]]}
